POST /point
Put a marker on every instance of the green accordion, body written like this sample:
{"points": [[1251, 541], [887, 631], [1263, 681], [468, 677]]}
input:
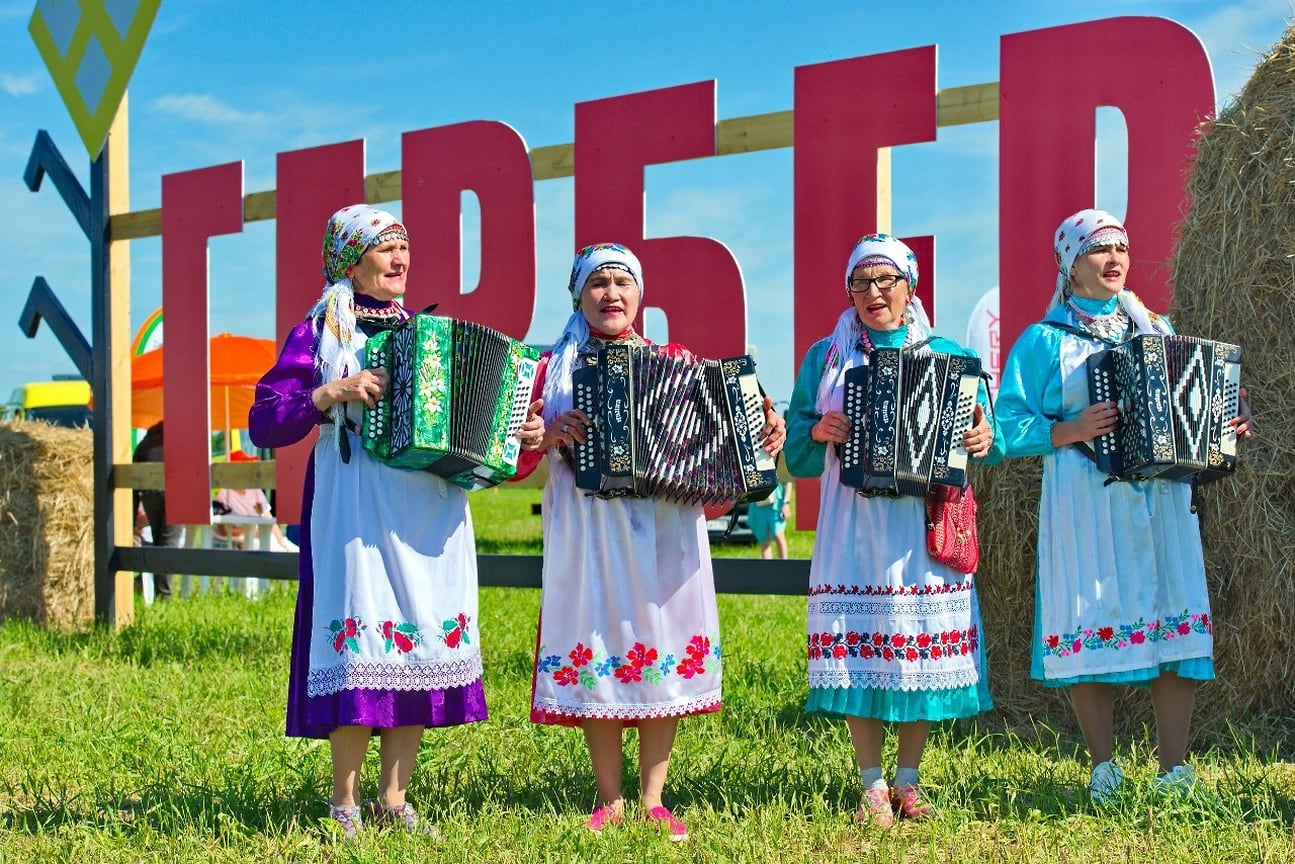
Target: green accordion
{"points": [[458, 394]]}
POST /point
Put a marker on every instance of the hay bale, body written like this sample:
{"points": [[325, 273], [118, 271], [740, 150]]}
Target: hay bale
{"points": [[1234, 274], [46, 524]]}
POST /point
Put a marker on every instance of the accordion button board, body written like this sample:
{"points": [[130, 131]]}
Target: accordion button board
{"points": [[671, 427], [457, 396], [908, 410], [1177, 396]]}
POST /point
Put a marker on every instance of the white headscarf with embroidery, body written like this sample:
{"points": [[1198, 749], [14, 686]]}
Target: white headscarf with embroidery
{"points": [[350, 233], [562, 362], [1081, 233], [871, 249]]}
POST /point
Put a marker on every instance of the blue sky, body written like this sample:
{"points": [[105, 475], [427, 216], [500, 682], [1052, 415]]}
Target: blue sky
{"points": [[225, 80]]}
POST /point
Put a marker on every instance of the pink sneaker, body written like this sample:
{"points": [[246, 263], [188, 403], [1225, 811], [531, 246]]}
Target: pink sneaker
{"points": [[875, 808], [348, 819], [908, 804], [603, 816], [663, 816]]}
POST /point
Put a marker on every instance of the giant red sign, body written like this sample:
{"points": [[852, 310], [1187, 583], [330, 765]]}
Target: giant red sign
{"points": [[1052, 81]]}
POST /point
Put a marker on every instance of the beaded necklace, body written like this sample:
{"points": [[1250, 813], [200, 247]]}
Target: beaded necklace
{"points": [[1112, 327]]}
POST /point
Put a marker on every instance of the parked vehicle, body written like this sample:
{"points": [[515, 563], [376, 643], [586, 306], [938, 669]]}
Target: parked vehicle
{"points": [[62, 401]]}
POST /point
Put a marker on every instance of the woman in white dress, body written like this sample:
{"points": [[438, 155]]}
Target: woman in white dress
{"points": [[893, 635], [1120, 586], [629, 633]]}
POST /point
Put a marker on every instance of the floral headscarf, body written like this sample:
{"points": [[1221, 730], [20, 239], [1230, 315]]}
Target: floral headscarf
{"points": [[872, 249], [350, 233], [590, 259], [1080, 234]]}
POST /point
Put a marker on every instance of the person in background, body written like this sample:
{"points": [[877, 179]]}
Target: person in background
{"points": [[767, 520], [629, 630], [245, 502], [153, 504], [1120, 594], [894, 635], [386, 638]]}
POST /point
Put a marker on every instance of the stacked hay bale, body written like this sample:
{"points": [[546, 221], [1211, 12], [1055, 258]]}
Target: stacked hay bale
{"points": [[46, 524], [1234, 277], [1234, 274]]}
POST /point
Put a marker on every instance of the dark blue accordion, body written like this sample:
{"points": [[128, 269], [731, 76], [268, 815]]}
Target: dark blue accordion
{"points": [[671, 427], [1177, 396], [908, 410]]}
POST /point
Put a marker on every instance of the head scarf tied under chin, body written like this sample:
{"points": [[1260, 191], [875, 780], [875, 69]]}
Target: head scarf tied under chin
{"points": [[872, 249], [350, 233], [1078, 235], [589, 260]]}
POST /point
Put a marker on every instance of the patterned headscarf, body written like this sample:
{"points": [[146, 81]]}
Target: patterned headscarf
{"points": [[557, 381], [1081, 233], [351, 232], [597, 257], [1078, 235], [870, 250]]}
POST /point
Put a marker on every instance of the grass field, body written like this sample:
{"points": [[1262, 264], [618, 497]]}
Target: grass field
{"points": [[164, 743]]}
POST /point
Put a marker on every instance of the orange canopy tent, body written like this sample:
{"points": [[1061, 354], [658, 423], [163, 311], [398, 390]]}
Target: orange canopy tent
{"points": [[237, 363]]}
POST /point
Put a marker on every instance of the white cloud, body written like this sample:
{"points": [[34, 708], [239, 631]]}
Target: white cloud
{"points": [[205, 109], [20, 85]]}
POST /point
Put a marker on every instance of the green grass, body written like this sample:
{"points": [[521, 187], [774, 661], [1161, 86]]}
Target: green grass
{"points": [[165, 743]]}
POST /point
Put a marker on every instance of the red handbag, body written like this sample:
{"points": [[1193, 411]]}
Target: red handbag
{"points": [[951, 528]]}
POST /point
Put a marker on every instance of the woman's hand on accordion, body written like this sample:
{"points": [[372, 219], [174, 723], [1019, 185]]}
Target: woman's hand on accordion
{"points": [[775, 429], [567, 428], [979, 436], [531, 434], [365, 386], [1244, 422], [832, 428], [1097, 419]]}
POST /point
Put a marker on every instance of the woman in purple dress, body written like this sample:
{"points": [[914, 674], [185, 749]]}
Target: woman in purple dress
{"points": [[385, 640]]}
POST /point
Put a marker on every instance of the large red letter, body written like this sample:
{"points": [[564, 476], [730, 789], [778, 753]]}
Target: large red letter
{"points": [[313, 185], [615, 139], [845, 111], [1156, 72], [490, 159], [195, 205]]}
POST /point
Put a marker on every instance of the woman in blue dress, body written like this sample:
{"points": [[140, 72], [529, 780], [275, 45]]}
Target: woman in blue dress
{"points": [[1120, 586]]}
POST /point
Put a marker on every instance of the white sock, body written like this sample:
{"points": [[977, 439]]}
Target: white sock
{"points": [[872, 778], [905, 776]]}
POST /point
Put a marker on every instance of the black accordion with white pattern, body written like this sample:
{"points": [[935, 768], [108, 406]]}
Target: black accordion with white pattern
{"points": [[672, 427], [1177, 396], [908, 409]]}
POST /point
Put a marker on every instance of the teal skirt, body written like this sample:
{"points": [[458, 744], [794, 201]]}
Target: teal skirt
{"points": [[900, 706]]}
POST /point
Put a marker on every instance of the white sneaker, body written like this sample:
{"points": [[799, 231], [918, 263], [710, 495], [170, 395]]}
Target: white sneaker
{"points": [[1181, 783], [1105, 782]]}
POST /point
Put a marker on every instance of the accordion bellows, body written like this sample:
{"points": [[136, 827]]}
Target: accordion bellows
{"points": [[458, 394], [908, 410], [671, 427], [1177, 396]]}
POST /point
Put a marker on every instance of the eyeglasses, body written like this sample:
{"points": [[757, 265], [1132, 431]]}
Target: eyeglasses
{"points": [[885, 283]]}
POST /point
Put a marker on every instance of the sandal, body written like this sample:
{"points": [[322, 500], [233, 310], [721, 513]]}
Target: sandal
{"points": [[402, 816]]}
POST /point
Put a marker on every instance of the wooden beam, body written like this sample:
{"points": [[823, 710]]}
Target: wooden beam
{"points": [[954, 106]]}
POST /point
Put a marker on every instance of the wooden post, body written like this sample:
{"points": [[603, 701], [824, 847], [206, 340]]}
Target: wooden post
{"points": [[114, 600]]}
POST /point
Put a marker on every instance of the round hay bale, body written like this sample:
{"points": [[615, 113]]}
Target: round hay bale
{"points": [[47, 524]]}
